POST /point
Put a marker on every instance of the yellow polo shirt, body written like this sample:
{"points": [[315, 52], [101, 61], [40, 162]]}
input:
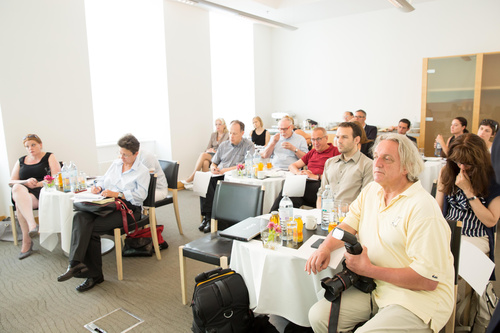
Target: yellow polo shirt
{"points": [[409, 232]]}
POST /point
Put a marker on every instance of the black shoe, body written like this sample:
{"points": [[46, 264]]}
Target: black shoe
{"points": [[72, 271], [203, 224], [89, 283], [207, 226]]}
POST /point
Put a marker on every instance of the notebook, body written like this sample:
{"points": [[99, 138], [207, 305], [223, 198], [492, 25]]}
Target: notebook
{"points": [[244, 230]]}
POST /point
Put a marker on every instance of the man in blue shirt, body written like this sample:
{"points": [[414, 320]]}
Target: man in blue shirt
{"points": [[228, 156]]}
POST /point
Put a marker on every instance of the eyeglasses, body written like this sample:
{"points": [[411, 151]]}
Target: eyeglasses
{"points": [[31, 136], [317, 139], [359, 117], [284, 128], [124, 155]]}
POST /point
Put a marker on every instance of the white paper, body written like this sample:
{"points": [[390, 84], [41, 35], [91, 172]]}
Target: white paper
{"points": [[475, 267], [295, 185], [200, 183], [305, 251], [87, 197]]}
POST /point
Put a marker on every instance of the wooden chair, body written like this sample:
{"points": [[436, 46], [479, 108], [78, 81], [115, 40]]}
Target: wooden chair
{"points": [[171, 171], [456, 237], [147, 218], [233, 202]]}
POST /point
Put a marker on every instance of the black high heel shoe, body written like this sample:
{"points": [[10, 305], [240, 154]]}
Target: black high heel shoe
{"points": [[26, 254]]}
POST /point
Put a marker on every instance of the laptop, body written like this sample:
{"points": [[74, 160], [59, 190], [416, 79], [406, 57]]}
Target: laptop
{"points": [[245, 230]]}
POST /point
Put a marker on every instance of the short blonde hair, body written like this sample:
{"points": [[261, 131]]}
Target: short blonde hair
{"points": [[259, 119], [410, 158]]}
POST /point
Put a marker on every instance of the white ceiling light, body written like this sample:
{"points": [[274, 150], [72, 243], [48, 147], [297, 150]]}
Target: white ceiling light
{"points": [[402, 5], [211, 5]]}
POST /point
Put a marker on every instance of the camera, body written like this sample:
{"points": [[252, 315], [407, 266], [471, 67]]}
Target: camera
{"points": [[335, 285]]}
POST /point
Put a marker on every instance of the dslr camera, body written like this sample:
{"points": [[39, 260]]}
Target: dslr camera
{"points": [[335, 285]]}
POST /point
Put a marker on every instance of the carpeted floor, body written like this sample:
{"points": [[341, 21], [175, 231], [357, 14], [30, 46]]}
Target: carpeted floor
{"points": [[31, 299]]}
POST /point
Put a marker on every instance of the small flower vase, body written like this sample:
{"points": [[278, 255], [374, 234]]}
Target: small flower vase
{"points": [[241, 173], [271, 239], [49, 186]]}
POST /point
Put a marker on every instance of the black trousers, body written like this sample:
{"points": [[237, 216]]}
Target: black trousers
{"points": [[86, 236], [207, 202], [309, 198]]}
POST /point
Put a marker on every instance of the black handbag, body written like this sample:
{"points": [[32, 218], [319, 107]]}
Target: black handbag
{"points": [[102, 207]]}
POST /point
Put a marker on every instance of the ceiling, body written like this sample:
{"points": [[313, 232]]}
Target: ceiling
{"points": [[301, 11]]}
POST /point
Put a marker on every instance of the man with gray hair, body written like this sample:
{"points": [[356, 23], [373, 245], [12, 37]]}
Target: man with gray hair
{"points": [[406, 251], [286, 147]]}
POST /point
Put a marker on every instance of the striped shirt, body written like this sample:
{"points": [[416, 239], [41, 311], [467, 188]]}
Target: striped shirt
{"points": [[459, 209]]}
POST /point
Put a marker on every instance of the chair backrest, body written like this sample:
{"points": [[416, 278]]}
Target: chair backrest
{"points": [[456, 237], [234, 202], [434, 188], [150, 199], [171, 171]]}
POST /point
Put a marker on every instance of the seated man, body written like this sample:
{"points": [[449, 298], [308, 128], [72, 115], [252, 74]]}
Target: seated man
{"points": [[371, 131], [348, 173], [151, 162], [404, 127], [315, 160], [286, 147], [406, 250], [228, 156]]}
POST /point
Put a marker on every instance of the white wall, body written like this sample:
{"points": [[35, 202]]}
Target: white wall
{"points": [[45, 82], [187, 43], [263, 74], [373, 61]]}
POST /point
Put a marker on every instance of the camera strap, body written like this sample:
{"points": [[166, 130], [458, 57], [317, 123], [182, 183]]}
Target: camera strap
{"points": [[333, 321]]}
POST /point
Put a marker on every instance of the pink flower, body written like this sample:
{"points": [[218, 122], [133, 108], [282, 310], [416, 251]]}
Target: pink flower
{"points": [[48, 178], [240, 167], [271, 226]]}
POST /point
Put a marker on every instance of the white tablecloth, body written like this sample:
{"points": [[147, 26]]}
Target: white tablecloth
{"points": [[55, 215], [430, 173], [272, 188]]}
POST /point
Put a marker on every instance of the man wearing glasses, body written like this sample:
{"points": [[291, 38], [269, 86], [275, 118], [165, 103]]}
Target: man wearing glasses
{"points": [[371, 131], [286, 147], [315, 161]]}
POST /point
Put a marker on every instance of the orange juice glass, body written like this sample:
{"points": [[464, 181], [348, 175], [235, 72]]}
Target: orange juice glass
{"points": [[269, 165], [260, 166]]}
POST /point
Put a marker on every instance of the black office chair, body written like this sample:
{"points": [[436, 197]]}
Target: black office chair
{"points": [[171, 171], [147, 218], [233, 202], [456, 237], [434, 188]]}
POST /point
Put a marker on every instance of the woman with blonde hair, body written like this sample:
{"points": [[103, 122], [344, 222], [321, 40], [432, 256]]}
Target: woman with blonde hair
{"points": [[32, 168], [260, 136], [220, 135]]}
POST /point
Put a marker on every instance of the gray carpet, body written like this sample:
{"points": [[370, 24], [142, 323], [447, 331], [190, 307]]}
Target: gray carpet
{"points": [[31, 300]]}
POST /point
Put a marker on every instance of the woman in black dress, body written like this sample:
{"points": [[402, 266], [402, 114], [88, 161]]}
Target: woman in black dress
{"points": [[31, 168], [260, 136]]}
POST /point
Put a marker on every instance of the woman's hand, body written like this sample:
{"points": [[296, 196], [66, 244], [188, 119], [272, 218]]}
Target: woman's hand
{"points": [[210, 150], [463, 182], [440, 140], [32, 183], [110, 194]]}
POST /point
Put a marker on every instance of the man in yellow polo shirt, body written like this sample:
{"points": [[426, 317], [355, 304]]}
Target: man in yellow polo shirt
{"points": [[406, 250]]}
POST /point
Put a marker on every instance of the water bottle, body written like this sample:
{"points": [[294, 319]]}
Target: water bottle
{"points": [[248, 164], [257, 160], [65, 178], [327, 200], [286, 216], [437, 152], [73, 176], [82, 181]]}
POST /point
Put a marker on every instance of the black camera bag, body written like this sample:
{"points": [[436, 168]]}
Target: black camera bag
{"points": [[221, 303]]}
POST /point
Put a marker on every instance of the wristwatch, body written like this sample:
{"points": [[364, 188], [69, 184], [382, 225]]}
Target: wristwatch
{"points": [[472, 198], [296, 150], [120, 195]]}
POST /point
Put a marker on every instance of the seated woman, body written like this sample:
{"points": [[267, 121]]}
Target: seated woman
{"points": [[457, 128], [203, 163], [365, 145], [127, 178], [260, 136], [32, 168], [487, 130], [472, 195]]}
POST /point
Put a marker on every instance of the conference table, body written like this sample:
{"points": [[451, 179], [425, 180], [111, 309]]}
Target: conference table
{"points": [[432, 166], [55, 216], [276, 281]]}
